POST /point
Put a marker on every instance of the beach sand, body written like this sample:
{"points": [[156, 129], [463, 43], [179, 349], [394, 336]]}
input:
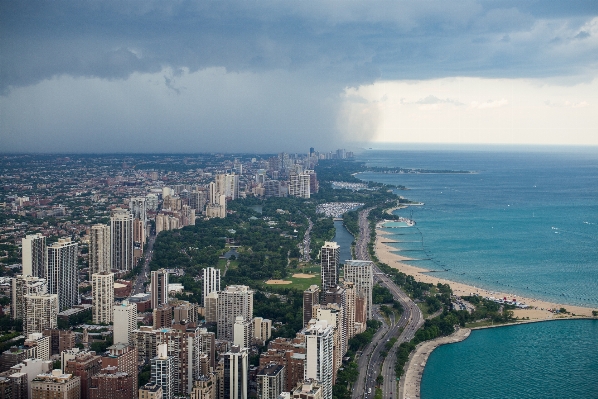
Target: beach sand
{"points": [[278, 282], [538, 308]]}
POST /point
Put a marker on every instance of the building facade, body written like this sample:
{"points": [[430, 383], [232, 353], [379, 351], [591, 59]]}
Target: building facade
{"points": [[361, 273], [99, 249], [329, 260], [233, 301], [211, 281], [159, 287], [34, 255], [62, 272], [102, 291], [121, 239]]}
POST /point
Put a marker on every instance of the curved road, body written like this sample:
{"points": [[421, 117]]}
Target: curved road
{"points": [[404, 329]]}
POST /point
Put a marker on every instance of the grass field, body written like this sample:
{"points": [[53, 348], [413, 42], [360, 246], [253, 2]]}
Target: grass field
{"points": [[297, 283]]}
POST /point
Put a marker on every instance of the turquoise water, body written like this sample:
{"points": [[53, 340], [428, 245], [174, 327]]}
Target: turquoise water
{"points": [[524, 223], [557, 359]]}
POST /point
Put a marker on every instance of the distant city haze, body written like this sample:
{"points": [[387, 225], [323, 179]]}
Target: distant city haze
{"points": [[283, 76]]}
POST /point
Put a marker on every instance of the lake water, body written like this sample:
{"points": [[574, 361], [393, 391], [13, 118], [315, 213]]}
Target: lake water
{"points": [[557, 359], [344, 239], [524, 223]]}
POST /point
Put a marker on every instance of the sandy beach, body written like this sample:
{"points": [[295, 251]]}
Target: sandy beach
{"points": [[538, 308]]}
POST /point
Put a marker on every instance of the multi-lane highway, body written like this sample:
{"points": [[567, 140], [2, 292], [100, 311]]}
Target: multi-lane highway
{"points": [[404, 328]]}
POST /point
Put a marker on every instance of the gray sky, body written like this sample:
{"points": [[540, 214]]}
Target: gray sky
{"points": [[265, 76]]}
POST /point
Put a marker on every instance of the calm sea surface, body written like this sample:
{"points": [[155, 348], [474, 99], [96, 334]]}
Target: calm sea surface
{"points": [[524, 223], [557, 359]]}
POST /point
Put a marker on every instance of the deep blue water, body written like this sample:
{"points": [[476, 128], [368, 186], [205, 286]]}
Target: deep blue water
{"points": [[525, 223], [557, 359]]}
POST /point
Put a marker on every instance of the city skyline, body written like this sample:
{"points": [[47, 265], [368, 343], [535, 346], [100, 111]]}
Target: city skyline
{"points": [[281, 76]]}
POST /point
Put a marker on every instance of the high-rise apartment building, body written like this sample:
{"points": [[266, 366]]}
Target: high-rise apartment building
{"points": [[349, 308], [227, 185], [360, 273], [319, 363], [34, 255], [62, 272], [124, 359], [262, 329], [162, 373], [211, 281], [159, 287], [242, 332], [121, 239], [332, 313], [211, 307], [138, 208], [329, 260], [99, 249], [270, 381], [233, 301], [236, 369], [311, 297], [125, 321], [299, 185], [84, 365], [102, 290], [22, 286]]}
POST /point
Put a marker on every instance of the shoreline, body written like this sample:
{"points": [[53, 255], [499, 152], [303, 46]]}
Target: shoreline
{"points": [[538, 309]]}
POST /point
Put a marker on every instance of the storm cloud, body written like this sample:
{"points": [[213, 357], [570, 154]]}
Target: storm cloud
{"points": [[257, 76]]}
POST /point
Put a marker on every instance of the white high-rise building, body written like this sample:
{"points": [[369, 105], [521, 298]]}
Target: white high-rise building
{"points": [[121, 239], [319, 363], [236, 370], [34, 255], [159, 286], [22, 286], [360, 273], [125, 322], [62, 272], [333, 314], [233, 301], [162, 371], [349, 310], [227, 185], [102, 290], [242, 332], [211, 281], [42, 313], [99, 249], [299, 185], [329, 260]]}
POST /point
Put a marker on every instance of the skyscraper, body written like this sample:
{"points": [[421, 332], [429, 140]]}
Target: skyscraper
{"points": [[333, 314], [99, 249], [299, 185], [159, 286], [319, 339], [329, 260], [102, 290], [360, 273], [311, 297], [235, 300], [242, 332], [34, 255], [125, 321], [62, 272], [211, 281], [236, 368], [162, 372], [270, 381], [21, 286], [42, 313], [121, 239]]}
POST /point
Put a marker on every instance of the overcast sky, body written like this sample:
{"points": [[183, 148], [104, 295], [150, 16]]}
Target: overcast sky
{"points": [[269, 76]]}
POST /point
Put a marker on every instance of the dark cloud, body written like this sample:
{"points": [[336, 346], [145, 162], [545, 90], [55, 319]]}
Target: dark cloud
{"points": [[351, 43], [302, 53]]}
